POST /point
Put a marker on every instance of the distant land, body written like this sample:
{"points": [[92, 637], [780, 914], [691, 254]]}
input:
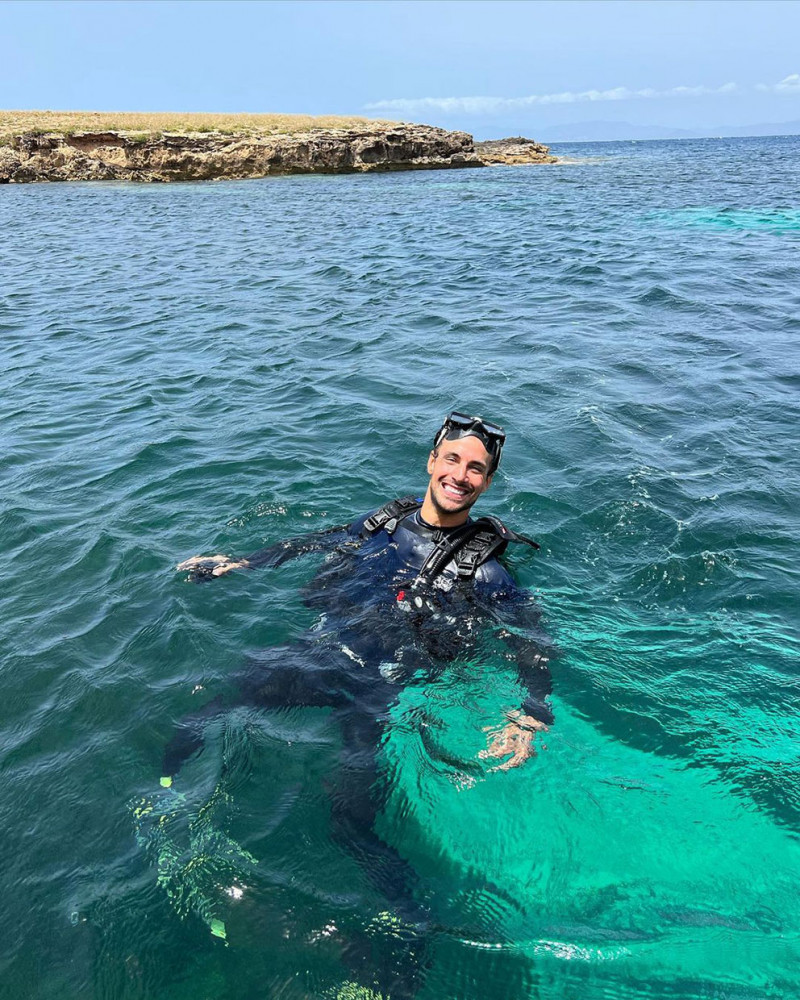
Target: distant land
{"points": [[606, 131], [129, 146]]}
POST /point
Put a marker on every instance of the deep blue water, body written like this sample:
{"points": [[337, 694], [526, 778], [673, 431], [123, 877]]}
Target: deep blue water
{"points": [[212, 367]]}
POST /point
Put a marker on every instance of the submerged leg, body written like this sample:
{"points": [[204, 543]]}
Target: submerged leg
{"points": [[285, 677], [301, 675], [188, 738], [356, 800], [193, 854], [395, 945]]}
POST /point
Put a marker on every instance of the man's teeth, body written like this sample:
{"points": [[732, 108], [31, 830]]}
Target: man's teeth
{"points": [[454, 491]]}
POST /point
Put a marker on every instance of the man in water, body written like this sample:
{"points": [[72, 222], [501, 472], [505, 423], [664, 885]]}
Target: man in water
{"points": [[403, 594], [464, 458]]}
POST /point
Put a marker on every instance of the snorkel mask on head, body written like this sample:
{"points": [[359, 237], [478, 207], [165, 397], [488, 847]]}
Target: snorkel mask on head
{"points": [[459, 425]]}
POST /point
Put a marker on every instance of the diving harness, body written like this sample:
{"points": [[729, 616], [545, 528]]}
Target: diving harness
{"points": [[469, 546]]}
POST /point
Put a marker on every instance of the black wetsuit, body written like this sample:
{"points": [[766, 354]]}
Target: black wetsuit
{"points": [[376, 633]]}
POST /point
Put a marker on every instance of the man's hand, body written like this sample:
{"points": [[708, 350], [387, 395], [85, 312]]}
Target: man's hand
{"points": [[205, 567], [514, 740]]}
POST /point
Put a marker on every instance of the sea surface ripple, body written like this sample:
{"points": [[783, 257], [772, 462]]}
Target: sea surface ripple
{"points": [[213, 367]]}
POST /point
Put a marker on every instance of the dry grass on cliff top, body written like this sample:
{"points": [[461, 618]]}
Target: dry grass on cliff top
{"points": [[143, 123]]}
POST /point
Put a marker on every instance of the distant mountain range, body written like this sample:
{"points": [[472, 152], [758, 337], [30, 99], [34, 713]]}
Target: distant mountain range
{"points": [[611, 131]]}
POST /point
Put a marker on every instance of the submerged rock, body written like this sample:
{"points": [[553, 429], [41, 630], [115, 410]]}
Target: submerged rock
{"points": [[128, 156], [516, 149]]}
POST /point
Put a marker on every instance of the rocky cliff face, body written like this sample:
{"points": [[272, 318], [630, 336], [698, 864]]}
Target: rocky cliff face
{"points": [[514, 150], [204, 156]]}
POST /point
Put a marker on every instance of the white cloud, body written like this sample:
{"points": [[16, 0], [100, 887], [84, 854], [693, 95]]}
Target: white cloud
{"points": [[788, 85], [497, 105]]}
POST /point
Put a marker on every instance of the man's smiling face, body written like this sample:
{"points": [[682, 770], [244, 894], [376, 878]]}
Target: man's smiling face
{"points": [[459, 472]]}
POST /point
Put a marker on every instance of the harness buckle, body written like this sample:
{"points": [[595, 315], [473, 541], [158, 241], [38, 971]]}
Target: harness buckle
{"points": [[390, 515], [371, 524]]}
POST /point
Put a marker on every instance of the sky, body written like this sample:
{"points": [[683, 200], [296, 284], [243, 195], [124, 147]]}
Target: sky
{"points": [[541, 69]]}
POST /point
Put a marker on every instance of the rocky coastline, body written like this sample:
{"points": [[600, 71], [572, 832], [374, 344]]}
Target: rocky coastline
{"points": [[116, 155], [514, 150], [175, 156]]}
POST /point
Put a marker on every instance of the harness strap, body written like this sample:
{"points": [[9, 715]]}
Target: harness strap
{"points": [[390, 515], [476, 551], [508, 534], [442, 553], [469, 546]]}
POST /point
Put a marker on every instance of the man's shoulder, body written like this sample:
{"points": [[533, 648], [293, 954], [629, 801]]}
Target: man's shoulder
{"points": [[388, 516], [493, 574], [357, 527]]}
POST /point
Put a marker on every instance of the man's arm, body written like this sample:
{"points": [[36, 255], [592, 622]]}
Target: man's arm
{"points": [[207, 567], [528, 648]]}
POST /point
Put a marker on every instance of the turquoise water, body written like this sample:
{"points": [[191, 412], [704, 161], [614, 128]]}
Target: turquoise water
{"points": [[212, 367]]}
